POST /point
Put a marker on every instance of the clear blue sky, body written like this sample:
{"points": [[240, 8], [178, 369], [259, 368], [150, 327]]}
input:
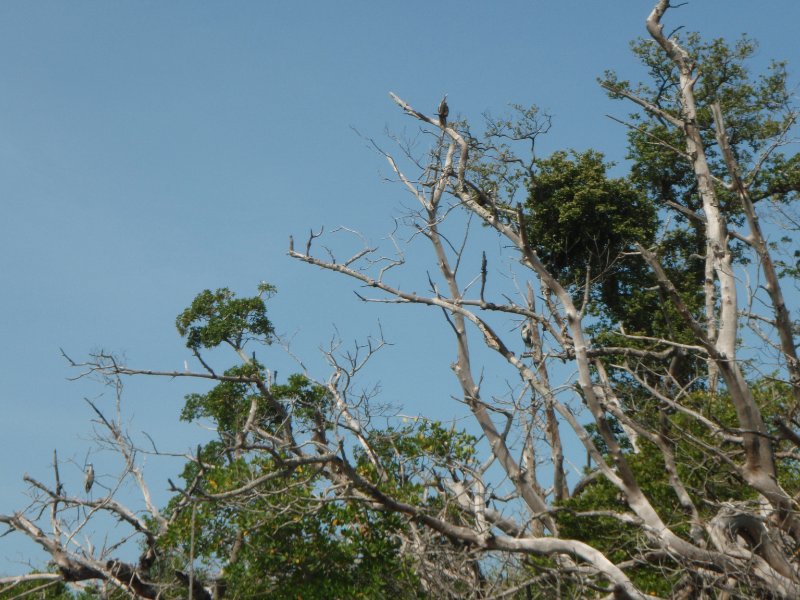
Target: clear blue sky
{"points": [[149, 150]]}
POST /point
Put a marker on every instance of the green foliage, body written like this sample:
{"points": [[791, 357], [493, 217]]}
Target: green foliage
{"points": [[579, 518], [782, 181], [293, 542], [217, 317], [227, 403], [709, 479], [424, 439], [580, 221], [307, 399], [296, 540], [410, 453], [756, 111], [284, 536], [41, 589], [582, 218]]}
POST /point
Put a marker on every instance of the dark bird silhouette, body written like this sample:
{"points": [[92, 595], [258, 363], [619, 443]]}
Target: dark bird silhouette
{"points": [[444, 110], [89, 480]]}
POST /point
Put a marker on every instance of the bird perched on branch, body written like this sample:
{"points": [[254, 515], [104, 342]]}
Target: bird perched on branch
{"points": [[88, 481], [443, 111], [527, 334]]}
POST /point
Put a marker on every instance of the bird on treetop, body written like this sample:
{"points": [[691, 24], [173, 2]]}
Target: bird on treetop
{"points": [[443, 111], [89, 480]]}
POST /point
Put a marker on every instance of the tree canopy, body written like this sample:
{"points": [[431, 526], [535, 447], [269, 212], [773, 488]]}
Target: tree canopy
{"points": [[645, 442]]}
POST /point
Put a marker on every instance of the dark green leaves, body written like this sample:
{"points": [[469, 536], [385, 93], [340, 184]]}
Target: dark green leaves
{"points": [[581, 221], [217, 317]]}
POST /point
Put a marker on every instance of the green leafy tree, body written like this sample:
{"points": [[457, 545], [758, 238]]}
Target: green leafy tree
{"points": [[629, 295], [583, 223]]}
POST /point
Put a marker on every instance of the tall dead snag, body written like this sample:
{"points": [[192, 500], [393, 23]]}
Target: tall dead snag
{"points": [[728, 521], [759, 468]]}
